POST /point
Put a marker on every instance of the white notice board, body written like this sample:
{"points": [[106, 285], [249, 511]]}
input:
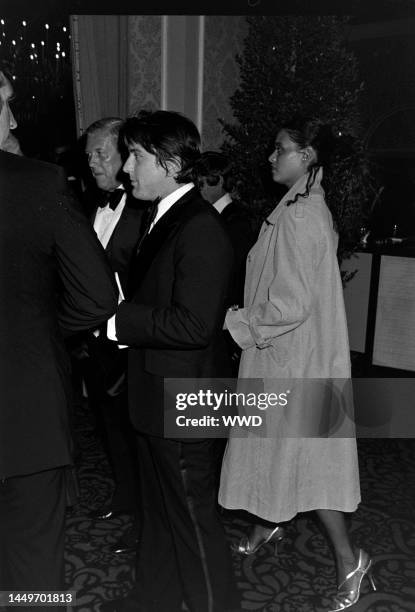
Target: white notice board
{"points": [[394, 344]]}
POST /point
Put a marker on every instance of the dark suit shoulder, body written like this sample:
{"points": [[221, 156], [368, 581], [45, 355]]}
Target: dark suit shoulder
{"points": [[33, 185], [203, 228], [32, 181], [196, 206], [236, 210], [33, 169]]}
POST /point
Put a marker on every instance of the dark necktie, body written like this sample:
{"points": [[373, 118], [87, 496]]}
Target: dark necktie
{"points": [[147, 222], [112, 198]]}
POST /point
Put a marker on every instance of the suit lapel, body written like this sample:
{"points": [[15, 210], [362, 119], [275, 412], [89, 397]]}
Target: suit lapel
{"points": [[126, 232], [92, 215], [153, 242]]}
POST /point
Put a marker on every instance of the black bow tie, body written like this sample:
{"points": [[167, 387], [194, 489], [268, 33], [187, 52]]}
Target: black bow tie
{"points": [[112, 198]]}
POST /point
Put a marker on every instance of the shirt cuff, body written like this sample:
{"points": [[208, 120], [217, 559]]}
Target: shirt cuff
{"points": [[112, 333]]}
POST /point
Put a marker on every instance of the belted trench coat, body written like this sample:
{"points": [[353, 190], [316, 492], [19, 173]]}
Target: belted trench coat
{"points": [[293, 333]]}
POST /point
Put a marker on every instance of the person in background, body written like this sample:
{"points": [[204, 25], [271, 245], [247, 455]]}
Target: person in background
{"points": [[218, 188], [68, 156], [55, 279], [293, 328], [116, 217]]}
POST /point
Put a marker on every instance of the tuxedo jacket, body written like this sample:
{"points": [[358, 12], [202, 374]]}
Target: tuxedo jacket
{"points": [[55, 278], [109, 362], [124, 238], [243, 239], [173, 321]]}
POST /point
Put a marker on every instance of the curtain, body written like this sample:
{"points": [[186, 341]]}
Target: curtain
{"points": [[100, 67]]}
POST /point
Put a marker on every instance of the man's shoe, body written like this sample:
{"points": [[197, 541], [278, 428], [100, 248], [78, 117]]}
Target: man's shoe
{"points": [[124, 546], [104, 513]]}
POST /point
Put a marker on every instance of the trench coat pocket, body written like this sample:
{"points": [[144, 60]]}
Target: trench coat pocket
{"points": [[278, 353]]}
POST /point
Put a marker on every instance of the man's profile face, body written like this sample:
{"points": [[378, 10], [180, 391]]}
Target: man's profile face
{"points": [[7, 120], [104, 159], [148, 178]]}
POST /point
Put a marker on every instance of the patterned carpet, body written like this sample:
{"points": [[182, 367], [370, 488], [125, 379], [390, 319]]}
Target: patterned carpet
{"points": [[301, 578]]}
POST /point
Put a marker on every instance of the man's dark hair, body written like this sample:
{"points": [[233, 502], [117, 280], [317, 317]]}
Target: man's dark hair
{"points": [[217, 167], [170, 136]]}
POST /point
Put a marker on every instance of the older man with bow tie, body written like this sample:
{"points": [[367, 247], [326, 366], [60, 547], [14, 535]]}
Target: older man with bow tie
{"points": [[116, 218]]}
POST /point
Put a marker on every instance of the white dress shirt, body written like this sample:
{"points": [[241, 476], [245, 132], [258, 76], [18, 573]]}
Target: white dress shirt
{"points": [[106, 220], [163, 206], [222, 203], [166, 203]]}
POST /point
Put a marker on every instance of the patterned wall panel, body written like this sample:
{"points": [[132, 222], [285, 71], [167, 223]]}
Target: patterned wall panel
{"points": [[144, 62], [223, 40]]}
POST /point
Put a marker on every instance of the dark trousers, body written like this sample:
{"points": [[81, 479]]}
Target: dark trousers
{"points": [[117, 434], [32, 521], [119, 442], [183, 555]]}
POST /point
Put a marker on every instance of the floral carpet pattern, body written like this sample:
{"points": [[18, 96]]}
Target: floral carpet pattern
{"points": [[301, 577]]}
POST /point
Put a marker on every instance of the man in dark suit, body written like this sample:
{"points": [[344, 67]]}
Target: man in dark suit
{"points": [[115, 213], [218, 187], [173, 326], [116, 216], [54, 277]]}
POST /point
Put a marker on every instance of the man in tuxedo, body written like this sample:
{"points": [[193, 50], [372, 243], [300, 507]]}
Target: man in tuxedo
{"points": [[54, 279], [116, 217], [172, 323], [218, 187], [115, 213]]}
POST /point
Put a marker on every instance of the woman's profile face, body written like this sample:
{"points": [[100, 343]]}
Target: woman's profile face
{"points": [[288, 162]]}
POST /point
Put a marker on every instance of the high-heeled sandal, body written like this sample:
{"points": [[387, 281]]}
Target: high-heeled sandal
{"points": [[244, 546], [348, 592]]}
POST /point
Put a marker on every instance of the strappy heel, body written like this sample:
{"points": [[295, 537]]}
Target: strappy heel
{"points": [[244, 547], [348, 593]]}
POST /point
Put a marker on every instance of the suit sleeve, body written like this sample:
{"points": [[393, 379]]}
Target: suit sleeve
{"points": [[203, 264], [242, 239], [89, 294], [299, 247]]}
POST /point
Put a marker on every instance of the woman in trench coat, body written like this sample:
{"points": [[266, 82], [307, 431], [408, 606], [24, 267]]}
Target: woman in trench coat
{"points": [[292, 328]]}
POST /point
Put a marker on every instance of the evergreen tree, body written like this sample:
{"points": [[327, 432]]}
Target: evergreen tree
{"points": [[294, 65]]}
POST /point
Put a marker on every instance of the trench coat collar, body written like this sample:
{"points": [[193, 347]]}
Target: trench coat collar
{"points": [[298, 187]]}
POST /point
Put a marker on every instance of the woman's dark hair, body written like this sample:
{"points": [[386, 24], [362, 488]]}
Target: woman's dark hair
{"points": [[346, 179]]}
